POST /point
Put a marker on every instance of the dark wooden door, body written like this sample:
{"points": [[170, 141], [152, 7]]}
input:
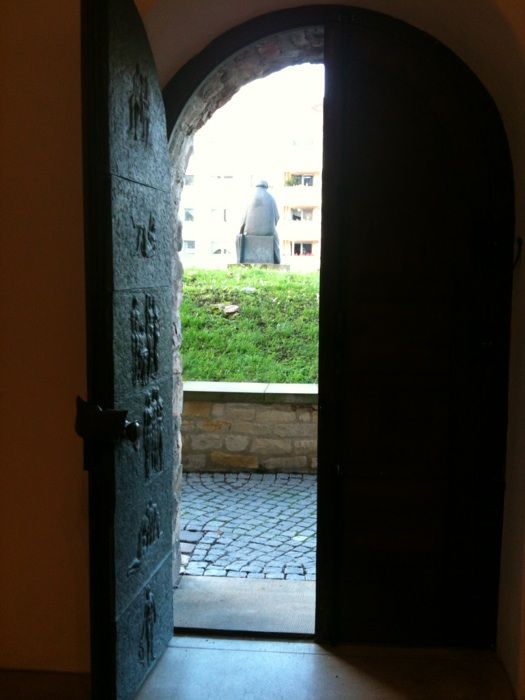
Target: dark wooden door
{"points": [[129, 291], [416, 268]]}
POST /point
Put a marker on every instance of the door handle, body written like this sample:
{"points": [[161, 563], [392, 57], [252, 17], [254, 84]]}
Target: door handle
{"points": [[105, 425], [132, 432]]}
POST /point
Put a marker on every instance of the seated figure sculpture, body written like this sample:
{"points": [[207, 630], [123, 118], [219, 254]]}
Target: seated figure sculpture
{"points": [[258, 241]]}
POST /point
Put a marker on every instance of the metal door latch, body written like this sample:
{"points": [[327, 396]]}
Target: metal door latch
{"points": [[105, 425]]}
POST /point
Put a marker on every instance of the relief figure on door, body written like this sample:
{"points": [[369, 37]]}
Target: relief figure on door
{"points": [[146, 241], [139, 107], [145, 336], [146, 653], [149, 532], [153, 433]]}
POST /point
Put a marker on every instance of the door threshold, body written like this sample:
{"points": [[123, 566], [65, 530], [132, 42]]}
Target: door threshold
{"points": [[242, 634]]}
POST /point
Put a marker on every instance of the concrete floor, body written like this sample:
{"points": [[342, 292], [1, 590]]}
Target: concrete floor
{"points": [[209, 668], [245, 605], [197, 668]]}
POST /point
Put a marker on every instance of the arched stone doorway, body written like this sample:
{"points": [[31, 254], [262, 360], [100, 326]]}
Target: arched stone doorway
{"points": [[264, 45], [256, 60]]}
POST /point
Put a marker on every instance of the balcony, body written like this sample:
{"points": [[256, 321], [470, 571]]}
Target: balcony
{"points": [[301, 195]]}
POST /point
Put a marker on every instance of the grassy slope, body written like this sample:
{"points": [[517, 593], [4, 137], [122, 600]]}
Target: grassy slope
{"points": [[273, 337]]}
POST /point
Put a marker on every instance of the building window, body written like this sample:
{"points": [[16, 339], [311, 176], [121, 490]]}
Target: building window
{"points": [[219, 215], [305, 179], [189, 215], [302, 213], [301, 248], [188, 246], [217, 248]]}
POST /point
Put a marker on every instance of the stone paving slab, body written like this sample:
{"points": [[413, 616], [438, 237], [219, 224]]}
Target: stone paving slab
{"points": [[251, 526], [238, 604]]}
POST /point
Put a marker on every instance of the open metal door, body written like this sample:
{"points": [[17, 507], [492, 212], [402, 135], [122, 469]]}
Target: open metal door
{"points": [[415, 300], [129, 230]]}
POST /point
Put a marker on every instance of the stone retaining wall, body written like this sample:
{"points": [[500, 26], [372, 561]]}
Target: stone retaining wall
{"points": [[262, 430]]}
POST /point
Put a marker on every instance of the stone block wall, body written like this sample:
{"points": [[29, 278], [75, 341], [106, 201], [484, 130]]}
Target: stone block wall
{"points": [[253, 434]]}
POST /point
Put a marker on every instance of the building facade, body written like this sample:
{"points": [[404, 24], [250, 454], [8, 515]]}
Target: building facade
{"points": [[218, 185]]}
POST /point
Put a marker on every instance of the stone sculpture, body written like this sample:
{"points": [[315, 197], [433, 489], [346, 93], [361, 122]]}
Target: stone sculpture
{"points": [[258, 241]]}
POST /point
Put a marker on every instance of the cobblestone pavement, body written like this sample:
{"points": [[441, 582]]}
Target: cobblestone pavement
{"points": [[249, 525]]}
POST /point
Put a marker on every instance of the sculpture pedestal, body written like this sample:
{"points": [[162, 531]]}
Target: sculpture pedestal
{"points": [[262, 266], [255, 249]]}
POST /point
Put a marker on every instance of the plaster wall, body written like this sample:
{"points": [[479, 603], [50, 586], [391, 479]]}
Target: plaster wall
{"points": [[43, 490]]}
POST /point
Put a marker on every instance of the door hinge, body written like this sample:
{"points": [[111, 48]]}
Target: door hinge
{"points": [[105, 425]]}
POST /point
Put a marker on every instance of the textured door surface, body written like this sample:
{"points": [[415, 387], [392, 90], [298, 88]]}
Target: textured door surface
{"points": [[417, 217], [128, 243]]}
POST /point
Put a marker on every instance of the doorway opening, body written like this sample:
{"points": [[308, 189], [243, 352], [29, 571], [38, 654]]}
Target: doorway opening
{"points": [[249, 429]]}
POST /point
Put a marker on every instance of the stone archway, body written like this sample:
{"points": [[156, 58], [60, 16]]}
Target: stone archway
{"points": [[256, 60]]}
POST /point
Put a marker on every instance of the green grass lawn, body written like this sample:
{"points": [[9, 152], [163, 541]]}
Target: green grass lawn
{"points": [[271, 338]]}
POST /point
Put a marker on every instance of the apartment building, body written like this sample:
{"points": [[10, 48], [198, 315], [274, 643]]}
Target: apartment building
{"points": [[218, 186]]}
